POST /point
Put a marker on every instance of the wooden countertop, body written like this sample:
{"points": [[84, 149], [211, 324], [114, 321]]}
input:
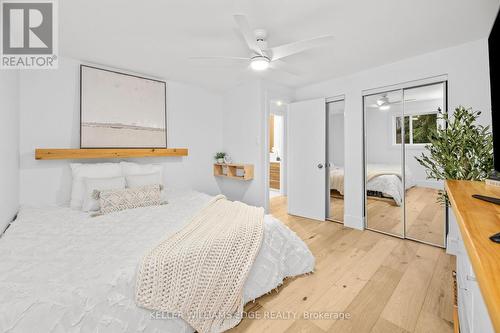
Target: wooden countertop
{"points": [[478, 220]]}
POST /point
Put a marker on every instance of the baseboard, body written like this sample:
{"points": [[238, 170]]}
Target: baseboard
{"points": [[452, 245], [355, 222]]}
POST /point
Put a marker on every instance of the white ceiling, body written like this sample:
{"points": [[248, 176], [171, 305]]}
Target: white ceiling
{"points": [[156, 37]]}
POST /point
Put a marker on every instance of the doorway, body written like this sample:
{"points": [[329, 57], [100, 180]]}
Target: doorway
{"points": [[276, 152]]}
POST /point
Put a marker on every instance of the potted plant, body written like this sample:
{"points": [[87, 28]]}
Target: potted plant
{"points": [[219, 157], [459, 149]]}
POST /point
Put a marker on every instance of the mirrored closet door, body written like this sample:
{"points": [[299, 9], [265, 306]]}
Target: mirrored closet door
{"points": [[400, 200], [335, 159], [425, 217], [384, 162]]}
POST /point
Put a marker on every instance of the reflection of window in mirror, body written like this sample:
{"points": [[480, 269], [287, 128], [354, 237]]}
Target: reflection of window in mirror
{"points": [[271, 132], [418, 128]]}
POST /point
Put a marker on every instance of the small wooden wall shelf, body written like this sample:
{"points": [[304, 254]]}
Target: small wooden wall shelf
{"points": [[234, 171], [70, 154]]}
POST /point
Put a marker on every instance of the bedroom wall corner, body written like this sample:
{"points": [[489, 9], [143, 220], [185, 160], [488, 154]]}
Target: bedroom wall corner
{"points": [[50, 118], [9, 146]]}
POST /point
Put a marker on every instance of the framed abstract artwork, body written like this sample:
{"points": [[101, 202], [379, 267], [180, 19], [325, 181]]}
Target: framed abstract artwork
{"points": [[119, 110]]}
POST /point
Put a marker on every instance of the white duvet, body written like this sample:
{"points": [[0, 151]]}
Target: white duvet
{"points": [[62, 271], [389, 185]]}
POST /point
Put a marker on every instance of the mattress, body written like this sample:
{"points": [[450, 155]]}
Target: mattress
{"points": [[390, 185], [63, 271]]}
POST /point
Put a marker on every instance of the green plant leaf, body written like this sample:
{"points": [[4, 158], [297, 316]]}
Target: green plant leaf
{"points": [[461, 149]]}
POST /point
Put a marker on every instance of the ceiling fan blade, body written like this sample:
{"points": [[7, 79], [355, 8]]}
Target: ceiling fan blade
{"points": [[284, 67], [219, 58], [406, 100], [242, 22], [286, 50]]}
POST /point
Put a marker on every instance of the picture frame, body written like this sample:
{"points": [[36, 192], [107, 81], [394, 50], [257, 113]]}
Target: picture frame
{"points": [[121, 110]]}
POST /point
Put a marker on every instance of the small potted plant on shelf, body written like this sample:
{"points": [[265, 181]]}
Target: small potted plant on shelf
{"points": [[219, 157]]}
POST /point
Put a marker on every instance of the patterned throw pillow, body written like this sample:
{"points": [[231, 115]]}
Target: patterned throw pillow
{"points": [[116, 200]]}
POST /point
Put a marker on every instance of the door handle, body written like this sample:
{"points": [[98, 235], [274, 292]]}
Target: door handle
{"points": [[320, 166]]}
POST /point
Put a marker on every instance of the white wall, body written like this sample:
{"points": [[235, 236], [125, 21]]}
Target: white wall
{"points": [[9, 146], [50, 118], [243, 139], [335, 139], [278, 129], [468, 84]]}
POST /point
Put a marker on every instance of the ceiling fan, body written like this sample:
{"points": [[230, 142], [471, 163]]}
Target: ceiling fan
{"points": [[384, 104], [261, 56]]}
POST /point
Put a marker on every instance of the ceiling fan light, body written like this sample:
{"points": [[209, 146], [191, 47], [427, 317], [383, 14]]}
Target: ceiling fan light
{"points": [[384, 107], [382, 100], [259, 63]]}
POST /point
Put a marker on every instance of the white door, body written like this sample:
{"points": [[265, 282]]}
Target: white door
{"points": [[306, 159]]}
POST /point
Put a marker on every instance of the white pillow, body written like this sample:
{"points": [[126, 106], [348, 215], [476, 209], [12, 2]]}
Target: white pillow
{"points": [[101, 184], [90, 170], [144, 180], [129, 168]]}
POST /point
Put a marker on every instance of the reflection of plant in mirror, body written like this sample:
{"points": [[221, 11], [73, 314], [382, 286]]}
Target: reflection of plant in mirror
{"points": [[461, 149], [423, 126]]}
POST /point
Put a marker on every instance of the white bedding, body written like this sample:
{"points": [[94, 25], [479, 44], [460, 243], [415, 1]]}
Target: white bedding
{"points": [[389, 185], [62, 271]]}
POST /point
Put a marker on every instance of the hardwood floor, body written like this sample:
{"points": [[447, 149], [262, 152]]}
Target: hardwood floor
{"points": [[336, 207], [383, 283], [424, 215]]}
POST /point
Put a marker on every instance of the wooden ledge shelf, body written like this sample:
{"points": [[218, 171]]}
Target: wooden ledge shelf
{"points": [[234, 171], [71, 154]]}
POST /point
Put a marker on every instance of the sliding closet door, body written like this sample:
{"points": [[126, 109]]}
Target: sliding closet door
{"points": [[425, 217], [384, 176], [335, 158], [306, 159]]}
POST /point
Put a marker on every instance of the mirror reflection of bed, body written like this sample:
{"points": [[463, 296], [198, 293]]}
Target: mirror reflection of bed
{"points": [[414, 212]]}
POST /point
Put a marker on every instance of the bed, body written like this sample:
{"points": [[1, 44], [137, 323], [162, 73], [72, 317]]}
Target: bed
{"points": [[382, 179], [63, 271]]}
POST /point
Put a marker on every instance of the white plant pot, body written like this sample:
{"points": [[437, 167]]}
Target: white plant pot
{"points": [[220, 160]]}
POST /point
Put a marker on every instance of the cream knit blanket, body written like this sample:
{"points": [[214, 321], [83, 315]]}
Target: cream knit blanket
{"points": [[199, 272]]}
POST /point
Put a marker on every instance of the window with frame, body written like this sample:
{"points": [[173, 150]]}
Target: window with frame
{"points": [[418, 128]]}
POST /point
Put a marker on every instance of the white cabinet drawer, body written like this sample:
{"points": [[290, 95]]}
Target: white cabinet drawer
{"points": [[472, 311]]}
